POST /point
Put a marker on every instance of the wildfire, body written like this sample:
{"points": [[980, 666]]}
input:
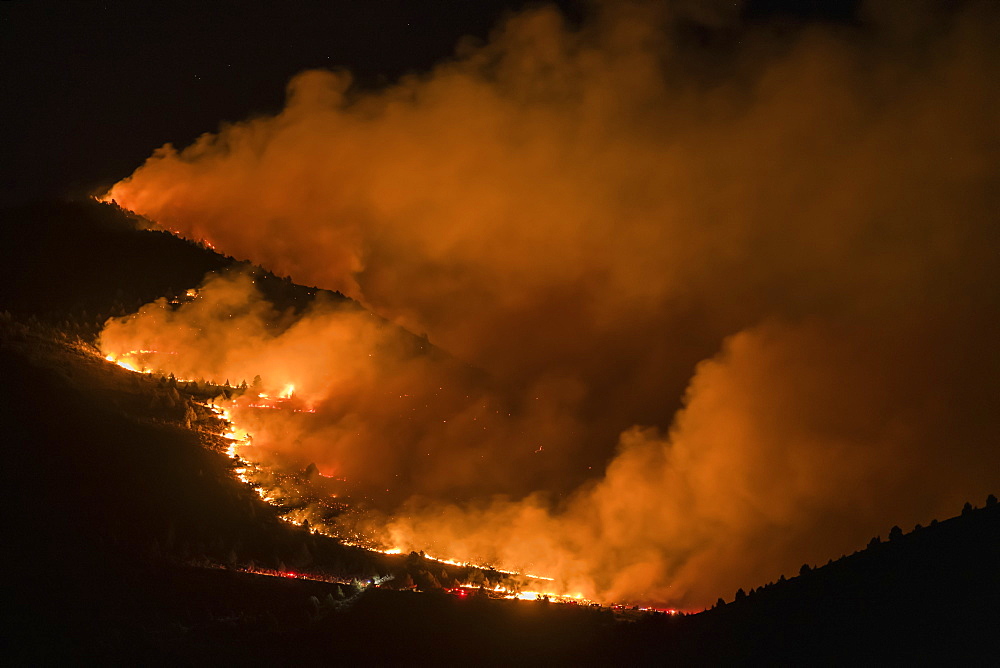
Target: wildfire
{"points": [[130, 360], [499, 591], [122, 363], [257, 475], [453, 562]]}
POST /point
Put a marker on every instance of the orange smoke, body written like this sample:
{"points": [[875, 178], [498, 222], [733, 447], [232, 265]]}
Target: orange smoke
{"points": [[372, 406], [800, 233]]}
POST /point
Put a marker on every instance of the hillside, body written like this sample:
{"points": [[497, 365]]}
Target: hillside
{"points": [[75, 264], [115, 507], [130, 533], [929, 596], [131, 538]]}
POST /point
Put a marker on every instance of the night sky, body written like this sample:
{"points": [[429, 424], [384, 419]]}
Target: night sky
{"points": [[92, 87]]}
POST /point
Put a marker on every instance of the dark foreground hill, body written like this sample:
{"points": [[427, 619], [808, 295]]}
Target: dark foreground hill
{"points": [[927, 597]]}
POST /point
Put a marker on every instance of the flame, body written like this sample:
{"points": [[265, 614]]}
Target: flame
{"points": [[237, 437], [122, 363]]}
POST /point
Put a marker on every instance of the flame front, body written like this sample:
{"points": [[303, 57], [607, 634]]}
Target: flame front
{"points": [[255, 414]]}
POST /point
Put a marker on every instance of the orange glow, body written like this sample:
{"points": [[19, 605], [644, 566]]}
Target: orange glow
{"points": [[673, 330]]}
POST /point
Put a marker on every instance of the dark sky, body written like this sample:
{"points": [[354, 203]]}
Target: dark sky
{"points": [[90, 88]]}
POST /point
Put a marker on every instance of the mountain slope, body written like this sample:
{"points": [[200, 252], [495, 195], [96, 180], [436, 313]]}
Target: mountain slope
{"points": [[114, 511], [78, 263], [929, 596]]}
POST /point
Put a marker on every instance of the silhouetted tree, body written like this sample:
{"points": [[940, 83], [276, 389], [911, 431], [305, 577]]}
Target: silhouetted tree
{"points": [[967, 508], [991, 501], [189, 416], [804, 569], [740, 594], [895, 533], [414, 560]]}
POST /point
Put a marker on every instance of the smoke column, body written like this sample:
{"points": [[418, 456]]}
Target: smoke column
{"points": [[739, 302]]}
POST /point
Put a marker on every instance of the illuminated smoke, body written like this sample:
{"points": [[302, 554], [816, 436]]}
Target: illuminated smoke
{"points": [[365, 403], [800, 232]]}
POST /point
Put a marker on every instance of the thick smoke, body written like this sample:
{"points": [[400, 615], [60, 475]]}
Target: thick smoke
{"points": [[368, 403], [797, 227]]}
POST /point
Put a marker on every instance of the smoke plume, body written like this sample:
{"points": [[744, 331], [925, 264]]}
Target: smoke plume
{"points": [[736, 297]]}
